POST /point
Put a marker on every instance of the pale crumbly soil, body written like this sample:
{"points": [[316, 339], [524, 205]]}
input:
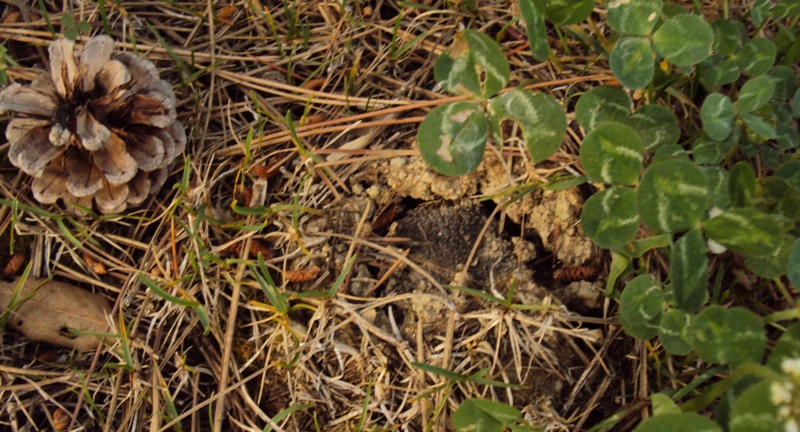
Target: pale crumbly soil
{"points": [[344, 362]]}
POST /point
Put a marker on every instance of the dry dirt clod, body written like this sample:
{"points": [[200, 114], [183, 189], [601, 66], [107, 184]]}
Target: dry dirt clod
{"points": [[99, 127], [554, 215], [413, 177], [44, 309], [583, 296]]}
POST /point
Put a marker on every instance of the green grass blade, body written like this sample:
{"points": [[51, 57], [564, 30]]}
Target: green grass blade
{"points": [[286, 412]]}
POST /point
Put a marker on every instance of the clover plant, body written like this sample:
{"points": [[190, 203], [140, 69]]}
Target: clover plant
{"points": [[683, 193], [452, 138], [689, 206]]}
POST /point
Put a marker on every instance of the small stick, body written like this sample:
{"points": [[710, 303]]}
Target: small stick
{"points": [[388, 273]]}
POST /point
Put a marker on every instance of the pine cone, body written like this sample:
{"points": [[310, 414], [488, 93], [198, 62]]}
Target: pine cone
{"points": [[97, 127]]}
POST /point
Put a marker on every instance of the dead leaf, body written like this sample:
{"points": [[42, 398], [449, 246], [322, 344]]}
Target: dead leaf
{"points": [[268, 171], [61, 419], [12, 17], [94, 264], [224, 15], [312, 119], [315, 84], [52, 309]]}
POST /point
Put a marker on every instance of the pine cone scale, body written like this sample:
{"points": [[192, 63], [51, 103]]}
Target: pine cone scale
{"points": [[63, 70], [146, 110], [52, 185], [112, 198], [144, 71], [85, 179], [25, 100], [112, 77], [19, 127], [157, 179], [91, 132], [147, 150], [35, 152], [96, 54], [139, 188], [114, 161], [178, 136]]}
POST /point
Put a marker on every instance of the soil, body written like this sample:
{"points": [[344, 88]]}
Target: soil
{"points": [[439, 223]]}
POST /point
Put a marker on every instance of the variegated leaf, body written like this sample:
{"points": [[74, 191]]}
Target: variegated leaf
{"points": [[612, 153], [672, 196], [759, 126], [533, 12], [610, 218], [669, 151], [718, 179], [717, 115], [641, 306], [452, 138], [745, 230], [656, 125], [474, 65], [684, 39], [755, 93], [633, 62], [754, 411], [729, 36], [689, 271], [757, 56], [723, 72], [633, 17], [728, 336], [788, 346], [742, 185], [541, 118], [673, 330], [602, 104], [773, 265]]}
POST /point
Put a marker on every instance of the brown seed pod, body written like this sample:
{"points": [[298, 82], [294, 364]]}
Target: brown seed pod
{"points": [[300, 276], [14, 265], [256, 246], [94, 264], [12, 17], [315, 84], [388, 216], [232, 250], [269, 171], [224, 15], [313, 119], [572, 274], [60, 419], [47, 356]]}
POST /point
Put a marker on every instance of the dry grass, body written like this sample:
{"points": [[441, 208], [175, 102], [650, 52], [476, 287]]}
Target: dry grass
{"points": [[355, 82]]}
